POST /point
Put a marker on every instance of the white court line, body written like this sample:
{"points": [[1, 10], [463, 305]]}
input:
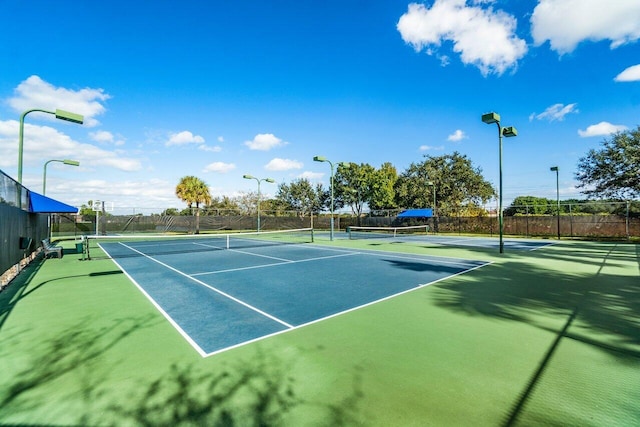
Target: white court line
{"points": [[231, 270], [239, 301], [260, 255]]}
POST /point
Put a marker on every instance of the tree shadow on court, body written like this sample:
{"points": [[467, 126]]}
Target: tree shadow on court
{"points": [[595, 308], [258, 390], [517, 290], [72, 351], [423, 266]]}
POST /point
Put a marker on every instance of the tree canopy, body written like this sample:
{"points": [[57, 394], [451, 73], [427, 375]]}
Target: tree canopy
{"points": [[456, 181], [193, 190], [301, 196], [613, 170]]}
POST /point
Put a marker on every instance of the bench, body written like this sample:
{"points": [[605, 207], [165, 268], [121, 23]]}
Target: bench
{"points": [[49, 249]]}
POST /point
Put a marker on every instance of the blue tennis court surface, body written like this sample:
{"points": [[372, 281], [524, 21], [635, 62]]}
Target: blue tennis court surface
{"points": [[222, 298]]}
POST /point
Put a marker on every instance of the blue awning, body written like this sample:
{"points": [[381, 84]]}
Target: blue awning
{"points": [[416, 213], [43, 204]]}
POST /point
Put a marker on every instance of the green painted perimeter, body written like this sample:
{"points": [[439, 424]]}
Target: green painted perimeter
{"points": [[546, 337]]}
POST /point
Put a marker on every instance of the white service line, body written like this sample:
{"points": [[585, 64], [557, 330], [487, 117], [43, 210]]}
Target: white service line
{"points": [[230, 270]]}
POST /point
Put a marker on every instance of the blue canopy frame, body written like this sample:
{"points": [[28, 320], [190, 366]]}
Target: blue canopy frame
{"points": [[416, 213], [43, 204]]}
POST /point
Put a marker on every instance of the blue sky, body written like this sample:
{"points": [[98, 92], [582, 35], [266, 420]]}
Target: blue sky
{"points": [[219, 89]]}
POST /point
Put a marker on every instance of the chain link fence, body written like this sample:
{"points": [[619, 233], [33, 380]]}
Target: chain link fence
{"points": [[617, 220]]}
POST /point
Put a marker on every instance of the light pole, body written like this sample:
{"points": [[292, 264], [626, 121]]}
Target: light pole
{"points": [[507, 132], [259, 180], [433, 184], [324, 159], [556, 170], [60, 114], [44, 175]]}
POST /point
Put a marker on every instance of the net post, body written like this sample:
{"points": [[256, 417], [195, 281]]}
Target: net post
{"points": [[87, 247], [227, 241]]}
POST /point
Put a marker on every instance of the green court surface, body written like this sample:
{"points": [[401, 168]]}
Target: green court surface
{"points": [[545, 337]]}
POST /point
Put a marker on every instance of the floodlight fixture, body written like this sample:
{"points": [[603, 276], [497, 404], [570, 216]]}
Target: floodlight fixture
{"points": [[491, 118], [510, 131], [69, 116]]}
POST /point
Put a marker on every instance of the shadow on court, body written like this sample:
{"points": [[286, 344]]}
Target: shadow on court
{"points": [[601, 310], [255, 391]]}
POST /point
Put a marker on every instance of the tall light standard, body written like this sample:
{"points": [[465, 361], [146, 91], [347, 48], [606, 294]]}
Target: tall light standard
{"points": [[324, 159], [259, 181], [556, 170], [60, 114], [44, 175], [433, 184], [507, 132]]}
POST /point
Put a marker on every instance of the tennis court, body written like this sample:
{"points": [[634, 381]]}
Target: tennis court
{"points": [[533, 337], [227, 290]]}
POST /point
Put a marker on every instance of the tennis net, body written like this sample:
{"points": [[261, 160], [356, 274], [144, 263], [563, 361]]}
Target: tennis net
{"points": [[114, 246], [358, 232]]}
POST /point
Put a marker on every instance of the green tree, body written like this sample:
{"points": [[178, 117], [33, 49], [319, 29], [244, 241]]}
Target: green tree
{"points": [[382, 194], [457, 184], [353, 185], [301, 196], [247, 202], [612, 171], [170, 212], [222, 206], [193, 190], [530, 205]]}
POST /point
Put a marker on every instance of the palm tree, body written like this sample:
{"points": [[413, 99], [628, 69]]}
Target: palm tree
{"points": [[193, 190]]}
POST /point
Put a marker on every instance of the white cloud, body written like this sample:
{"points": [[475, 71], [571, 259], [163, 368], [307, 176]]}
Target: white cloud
{"points": [[555, 112], [311, 176], [44, 143], [220, 139], [566, 23], [458, 135], [36, 93], [184, 137], [484, 38], [265, 142], [601, 129], [631, 74], [101, 136], [219, 167], [283, 165], [153, 194], [431, 148], [214, 149]]}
